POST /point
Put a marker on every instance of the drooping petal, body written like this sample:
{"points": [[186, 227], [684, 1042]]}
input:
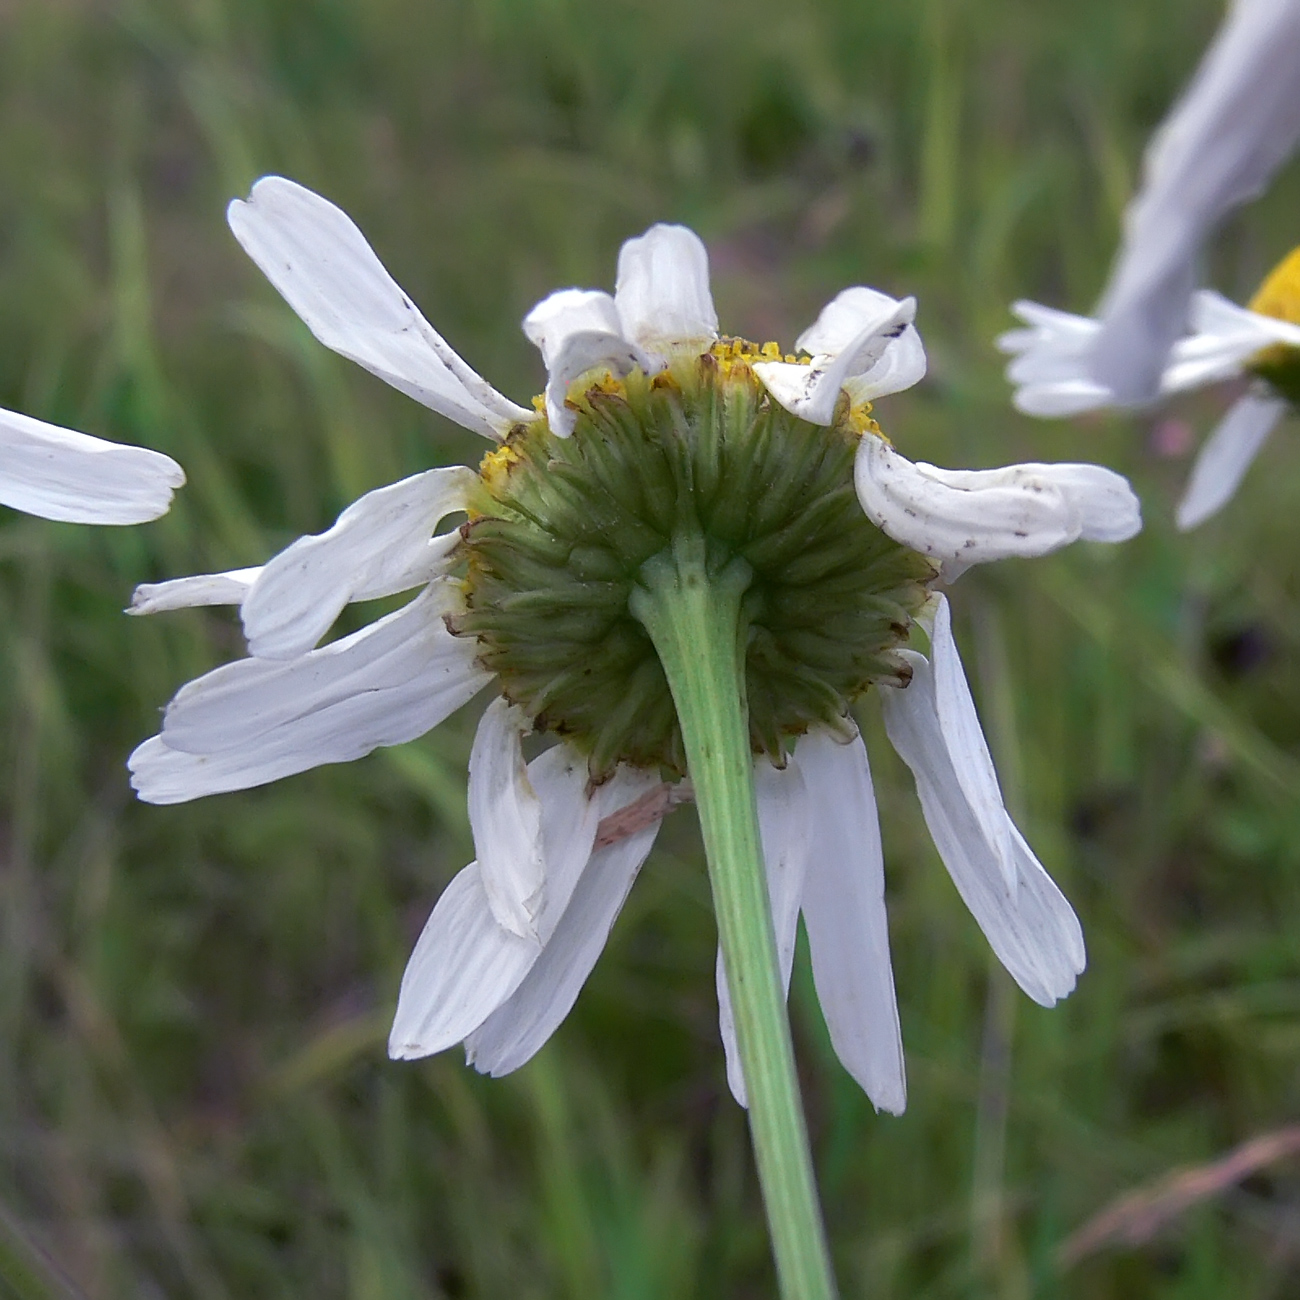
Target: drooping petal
{"points": [[71, 477], [662, 291], [463, 967], [465, 964], [1227, 454], [516, 1031], [844, 913], [1235, 125], [861, 364], [1032, 928], [784, 828], [506, 816], [313, 253], [963, 741], [256, 720], [972, 516], [228, 588], [381, 544]]}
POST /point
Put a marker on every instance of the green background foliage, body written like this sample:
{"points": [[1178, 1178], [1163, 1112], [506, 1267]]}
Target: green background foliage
{"points": [[194, 1095]]}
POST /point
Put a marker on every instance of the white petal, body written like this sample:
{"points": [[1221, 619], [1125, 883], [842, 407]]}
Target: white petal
{"points": [[783, 818], [1237, 122], [963, 741], [465, 964], [1227, 454], [844, 913], [228, 588], [971, 516], [515, 1032], [320, 262], [256, 720], [811, 391], [506, 816], [381, 544], [901, 365], [662, 291], [579, 330], [583, 352], [1031, 928], [844, 319], [71, 477], [570, 311]]}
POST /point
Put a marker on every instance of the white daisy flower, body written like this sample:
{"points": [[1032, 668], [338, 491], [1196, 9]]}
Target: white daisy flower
{"points": [[1236, 123], [1051, 369], [71, 477], [648, 419]]}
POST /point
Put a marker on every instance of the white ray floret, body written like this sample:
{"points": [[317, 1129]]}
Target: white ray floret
{"points": [[201, 589], [257, 720], [469, 973], [313, 253], [965, 517], [382, 544], [1026, 919], [71, 477], [863, 343], [785, 828], [843, 906]]}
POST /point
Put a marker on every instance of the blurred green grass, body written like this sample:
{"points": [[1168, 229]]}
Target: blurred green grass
{"points": [[194, 1096]]}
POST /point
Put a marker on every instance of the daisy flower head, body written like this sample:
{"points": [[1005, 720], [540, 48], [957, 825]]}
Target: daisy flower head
{"points": [[72, 477], [665, 467], [1236, 123], [1050, 367]]}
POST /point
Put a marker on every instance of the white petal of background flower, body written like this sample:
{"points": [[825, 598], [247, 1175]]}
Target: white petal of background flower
{"points": [[1228, 453], [662, 290], [228, 588], [506, 816], [256, 720], [381, 544], [1033, 930], [811, 391], [1236, 124], [313, 253], [844, 913], [465, 964], [972, 516], [784, 829], [73, 478], [521, 1026]]}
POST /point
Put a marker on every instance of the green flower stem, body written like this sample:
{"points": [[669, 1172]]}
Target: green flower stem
{"points": [[693, 613]]}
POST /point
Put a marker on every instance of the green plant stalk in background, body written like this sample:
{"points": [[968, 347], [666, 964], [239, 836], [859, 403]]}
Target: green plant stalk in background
{"points": [[693, 611]]}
